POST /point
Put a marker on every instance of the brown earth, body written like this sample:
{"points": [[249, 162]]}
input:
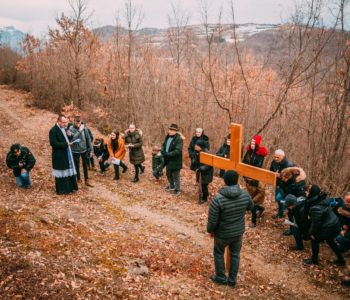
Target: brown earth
{"points": [[94, 244]]}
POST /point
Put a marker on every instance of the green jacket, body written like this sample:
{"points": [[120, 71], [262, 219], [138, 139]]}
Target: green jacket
{"points": [[157, 164], [173, 158], [136, 154]]}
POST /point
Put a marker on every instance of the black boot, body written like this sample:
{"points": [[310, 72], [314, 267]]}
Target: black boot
{"points": [[142, 169], [136, 179], [310, 261]]}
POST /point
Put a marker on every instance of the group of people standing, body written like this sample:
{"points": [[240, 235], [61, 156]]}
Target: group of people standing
{"points": [[312, 215], [73, 142]]}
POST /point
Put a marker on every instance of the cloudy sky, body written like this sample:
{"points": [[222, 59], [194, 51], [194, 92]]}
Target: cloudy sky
{"points": [[34, 16]]}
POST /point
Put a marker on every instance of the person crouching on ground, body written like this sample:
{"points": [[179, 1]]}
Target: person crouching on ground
{"points": [[204, 173], [157, 162], [324, 225], [101, 152], [21, 160], [226, 224]]}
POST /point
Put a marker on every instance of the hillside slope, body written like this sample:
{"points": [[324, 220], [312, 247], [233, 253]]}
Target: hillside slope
{"points": [[94, 245]]}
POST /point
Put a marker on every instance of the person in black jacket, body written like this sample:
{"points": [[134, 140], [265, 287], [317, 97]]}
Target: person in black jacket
{"points": [[324, 225], [296, 212], [191, 148], [63, 168], [204, 173], [101, 152], [224, 151], [172, 153], [279, 163], [91, 161], [21, 160], [255, 156], [226, 224]]}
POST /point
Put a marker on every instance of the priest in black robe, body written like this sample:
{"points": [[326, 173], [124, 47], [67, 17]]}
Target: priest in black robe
{"points": [[63, 168]]}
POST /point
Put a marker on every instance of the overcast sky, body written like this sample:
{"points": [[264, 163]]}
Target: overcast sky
{"points": [[34, 16]]}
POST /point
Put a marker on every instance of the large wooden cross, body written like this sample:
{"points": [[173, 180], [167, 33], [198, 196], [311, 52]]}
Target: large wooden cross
{"points": [[234, 163]]}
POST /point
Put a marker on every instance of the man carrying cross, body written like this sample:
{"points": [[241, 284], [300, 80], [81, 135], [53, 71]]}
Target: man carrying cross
{"points": [[219, 209], [226, 224]]}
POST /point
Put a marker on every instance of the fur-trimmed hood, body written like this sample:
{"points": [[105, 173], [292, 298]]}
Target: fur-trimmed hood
{"points": [[138, 130], [292, 171]]}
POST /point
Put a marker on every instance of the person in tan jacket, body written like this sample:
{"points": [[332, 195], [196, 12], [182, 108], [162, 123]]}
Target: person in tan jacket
{"points": [[117, 151]]}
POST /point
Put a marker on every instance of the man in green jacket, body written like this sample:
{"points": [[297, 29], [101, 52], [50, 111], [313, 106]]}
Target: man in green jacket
{"points": [[172, 153], [226, 224]]}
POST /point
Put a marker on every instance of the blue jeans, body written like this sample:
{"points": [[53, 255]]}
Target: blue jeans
{"points": [[278, 199], [23, 180]]}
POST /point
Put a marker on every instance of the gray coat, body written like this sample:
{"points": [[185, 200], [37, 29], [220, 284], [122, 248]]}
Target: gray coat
{"points": [[84, 145], [227, 212]]}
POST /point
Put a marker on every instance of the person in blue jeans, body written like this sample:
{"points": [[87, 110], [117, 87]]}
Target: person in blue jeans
{"points": [[279, 163], [21, 160]]}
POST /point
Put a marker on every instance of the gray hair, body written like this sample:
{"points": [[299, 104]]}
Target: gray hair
{"points": [[280, 152]]}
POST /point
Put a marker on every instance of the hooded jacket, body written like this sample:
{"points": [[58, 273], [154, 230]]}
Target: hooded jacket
{"points": [[296, 185], [254, 158], [324, 224], [136, 154], [191, 149], [227, 211], [280, 166]]}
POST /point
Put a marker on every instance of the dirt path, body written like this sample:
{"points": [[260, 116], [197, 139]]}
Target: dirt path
{"points": [[84, 244]]}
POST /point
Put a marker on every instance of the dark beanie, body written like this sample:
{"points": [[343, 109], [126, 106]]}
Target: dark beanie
{"points": [[15, 147], [231, 177], [290, 200], [314, 191]]}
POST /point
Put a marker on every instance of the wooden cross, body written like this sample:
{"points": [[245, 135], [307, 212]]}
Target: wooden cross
{"points": [[234, 163]]}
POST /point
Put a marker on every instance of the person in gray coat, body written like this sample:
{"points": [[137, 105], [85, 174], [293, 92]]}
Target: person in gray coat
{"points": [[226, 224], [81, 147]]}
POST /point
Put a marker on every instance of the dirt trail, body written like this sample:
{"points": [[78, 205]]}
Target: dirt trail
{"points": [[110, 208]]}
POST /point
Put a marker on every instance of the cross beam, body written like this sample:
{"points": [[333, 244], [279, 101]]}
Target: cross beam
{"points": [[234, 163]]}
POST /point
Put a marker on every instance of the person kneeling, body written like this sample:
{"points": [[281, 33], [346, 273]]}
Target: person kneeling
{"points": [[21, 160]]}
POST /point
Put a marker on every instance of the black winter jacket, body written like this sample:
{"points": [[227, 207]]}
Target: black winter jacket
{"points": [[253, 159], [324, 223], [191, 150], [173, 158], [101, 151], [26, 158], [203, 170], [227, 211]]}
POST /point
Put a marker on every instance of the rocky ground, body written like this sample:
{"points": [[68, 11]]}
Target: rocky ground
{"points": [[120, 240]]}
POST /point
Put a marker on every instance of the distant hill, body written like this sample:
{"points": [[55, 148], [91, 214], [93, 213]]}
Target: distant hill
{"points": [[11, 37], [156, 35]]}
